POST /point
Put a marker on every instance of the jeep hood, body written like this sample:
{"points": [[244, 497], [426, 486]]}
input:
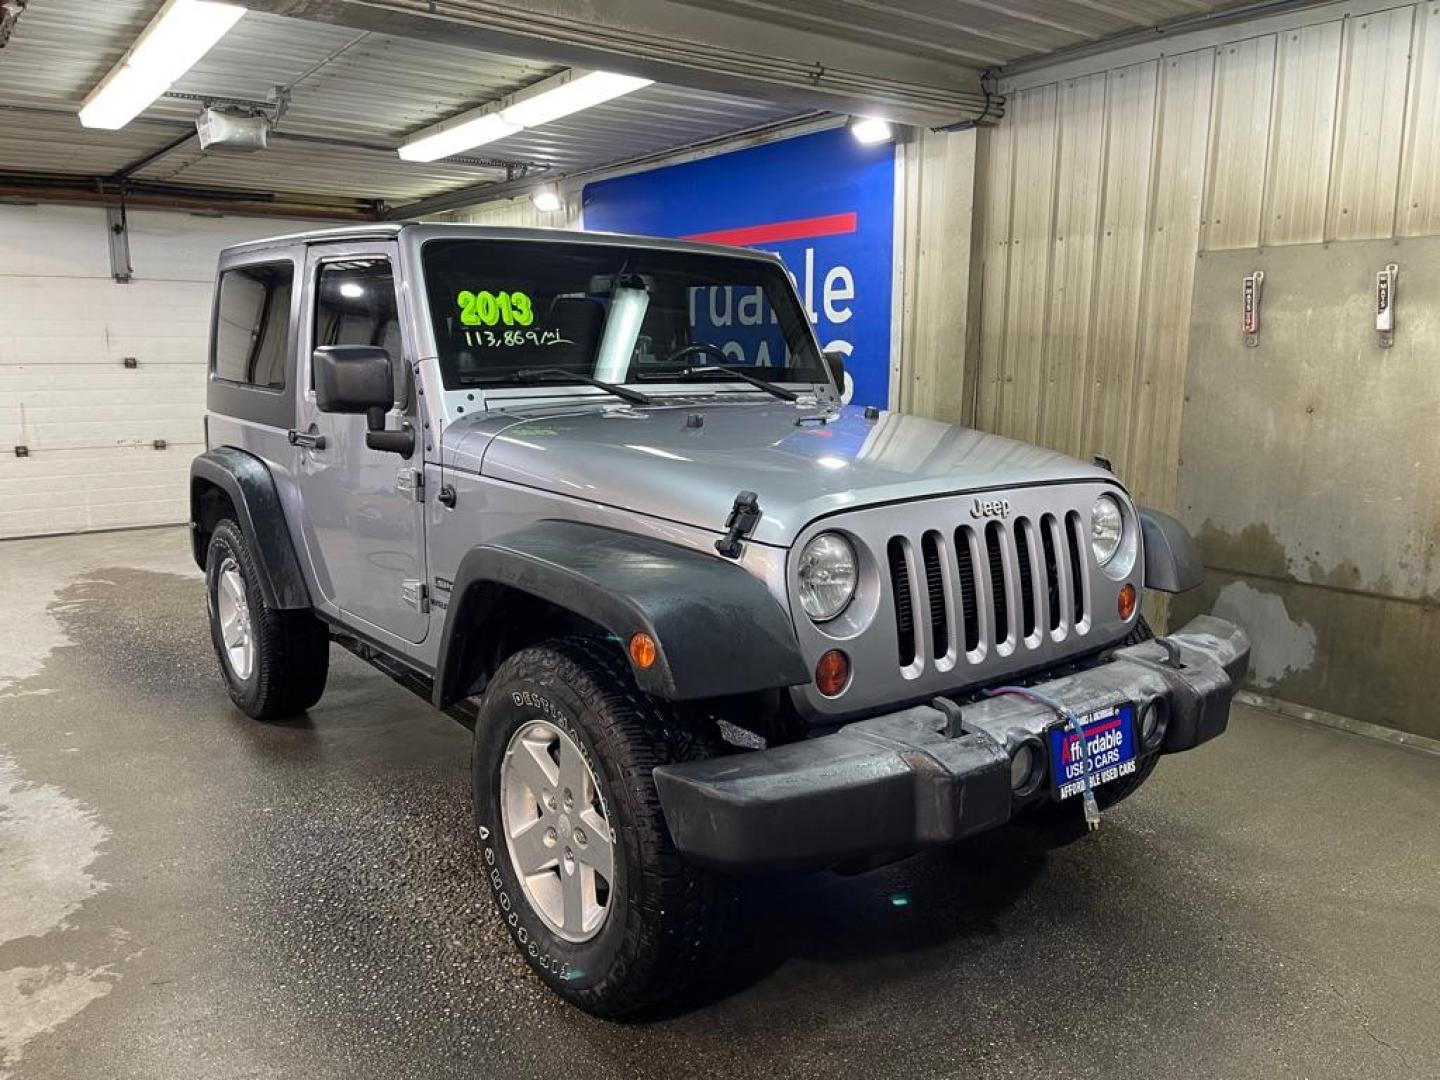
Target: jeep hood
{"points": [[652, 462]]}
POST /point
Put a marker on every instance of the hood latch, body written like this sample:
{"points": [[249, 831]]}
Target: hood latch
{"points": [[744, 516]]}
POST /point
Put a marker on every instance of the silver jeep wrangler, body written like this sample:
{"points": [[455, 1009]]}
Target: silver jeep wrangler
{"points": [[599, 497]]}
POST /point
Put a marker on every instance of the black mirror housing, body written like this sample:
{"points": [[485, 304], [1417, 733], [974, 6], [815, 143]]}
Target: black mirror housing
{"points": [[358, 379], [835, 361], [353, 379]]}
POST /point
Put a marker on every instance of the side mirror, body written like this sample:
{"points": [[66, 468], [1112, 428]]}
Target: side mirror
{"points": [[835, 361], [358, 379]]}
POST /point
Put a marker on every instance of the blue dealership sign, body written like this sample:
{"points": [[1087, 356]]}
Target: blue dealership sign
{"points": [[823, 203]]}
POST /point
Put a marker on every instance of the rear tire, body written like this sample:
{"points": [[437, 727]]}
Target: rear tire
{"points": [[651, 928], [274, 662]]}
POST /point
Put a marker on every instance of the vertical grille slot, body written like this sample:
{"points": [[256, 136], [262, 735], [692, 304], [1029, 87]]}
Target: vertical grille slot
{"points": [[1027, 581], [1052, 569], [904, 609], [1077, 566], [935, 590], [969, 608], [995, 554]]}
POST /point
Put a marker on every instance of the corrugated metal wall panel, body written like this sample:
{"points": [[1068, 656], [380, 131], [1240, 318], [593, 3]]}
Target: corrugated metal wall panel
{"points": [[1420, 176], [1129, 149], [1030, 256], [1365, 173], [1294, 136], [1179, 185], [998, 178], [1298, 179], [1077, 216], [1239, 143], [937, 205], [1314, 128]]}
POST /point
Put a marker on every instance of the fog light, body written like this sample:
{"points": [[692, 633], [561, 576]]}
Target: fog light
{"points": [[1152, 724], [1125, 605], [643, 649], [832, 673], [1022, 767]]}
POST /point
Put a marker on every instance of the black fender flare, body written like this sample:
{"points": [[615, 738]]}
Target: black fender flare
{"points": [[1172, 558], [246, 480], [718, 629]]}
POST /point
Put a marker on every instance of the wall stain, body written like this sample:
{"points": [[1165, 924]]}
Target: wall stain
{"points": [[1372, 657], [1254, 548]]}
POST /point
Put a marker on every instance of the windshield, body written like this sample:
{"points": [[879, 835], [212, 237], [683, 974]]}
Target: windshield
{"points": [[505, 309]]}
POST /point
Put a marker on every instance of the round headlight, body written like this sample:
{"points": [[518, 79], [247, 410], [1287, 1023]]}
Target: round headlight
{"points": [[1107, 528], [827, 576]]}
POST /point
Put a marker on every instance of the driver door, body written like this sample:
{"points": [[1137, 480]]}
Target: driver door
{"points": [[363, 516]]}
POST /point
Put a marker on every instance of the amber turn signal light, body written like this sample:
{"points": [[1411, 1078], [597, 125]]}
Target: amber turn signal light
{"points": [[643, 649], [1125, 604], [832, 673]]}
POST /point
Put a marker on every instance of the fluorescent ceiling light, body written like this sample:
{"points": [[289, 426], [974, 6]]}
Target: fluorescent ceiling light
{"points": [[871, 129], [462, 136], [182, 32], [546, 200], [583, 92], [563, 94]]}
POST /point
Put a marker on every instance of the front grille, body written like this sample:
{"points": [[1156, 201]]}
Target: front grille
{"points": [[962, 596]]}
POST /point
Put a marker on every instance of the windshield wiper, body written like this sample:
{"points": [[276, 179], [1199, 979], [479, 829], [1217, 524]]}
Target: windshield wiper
{"points": [[635, 397], [739, 373]]}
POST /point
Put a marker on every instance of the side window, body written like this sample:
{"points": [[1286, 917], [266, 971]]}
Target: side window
{"points": [[355, 305], [253, 324]]}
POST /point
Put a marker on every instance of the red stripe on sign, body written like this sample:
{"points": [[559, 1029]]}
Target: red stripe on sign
{"points": [[776, 231], [1091, 732]]}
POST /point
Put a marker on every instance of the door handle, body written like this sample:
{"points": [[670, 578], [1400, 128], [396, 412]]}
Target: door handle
{"points": [[305, 439]]}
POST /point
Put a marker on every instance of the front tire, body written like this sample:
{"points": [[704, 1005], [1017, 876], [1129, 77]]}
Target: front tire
{"points": [[274, 662], [573, 840]]}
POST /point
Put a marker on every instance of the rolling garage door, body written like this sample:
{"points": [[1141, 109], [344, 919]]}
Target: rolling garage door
{"points": [[102, 384]]}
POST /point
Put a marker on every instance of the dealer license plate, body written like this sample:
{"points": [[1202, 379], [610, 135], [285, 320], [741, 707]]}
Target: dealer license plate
{"points": [[1109, 745]]}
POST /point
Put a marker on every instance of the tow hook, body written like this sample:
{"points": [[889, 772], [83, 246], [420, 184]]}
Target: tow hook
{"points": [[1172, 652]]}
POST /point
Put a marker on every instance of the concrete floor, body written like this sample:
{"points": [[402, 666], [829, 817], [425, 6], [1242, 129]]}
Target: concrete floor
{"points": [[186, 893]]}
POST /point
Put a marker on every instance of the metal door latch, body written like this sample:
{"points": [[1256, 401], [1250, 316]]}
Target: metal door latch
{"points": [[1385, 305], [411, 482], [1250, 308], [414, 594], [309, 440]]}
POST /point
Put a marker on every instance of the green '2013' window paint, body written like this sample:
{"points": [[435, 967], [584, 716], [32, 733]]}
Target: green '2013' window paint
{"points": [[486, 308]]}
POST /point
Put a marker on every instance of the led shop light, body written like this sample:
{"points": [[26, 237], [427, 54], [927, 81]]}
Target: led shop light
{"points": [[871, 129], [550, 99], [182, 32]]}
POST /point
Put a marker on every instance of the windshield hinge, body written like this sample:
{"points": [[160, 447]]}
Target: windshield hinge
{"points": [[411, 482], [744, 516], [414, 594]]}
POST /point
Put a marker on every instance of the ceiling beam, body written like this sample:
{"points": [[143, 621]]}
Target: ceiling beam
{"points": [[723, 51], [96, 190]]}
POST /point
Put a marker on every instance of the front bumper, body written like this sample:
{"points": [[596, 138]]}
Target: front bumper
{"points": [[933, 774]]}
